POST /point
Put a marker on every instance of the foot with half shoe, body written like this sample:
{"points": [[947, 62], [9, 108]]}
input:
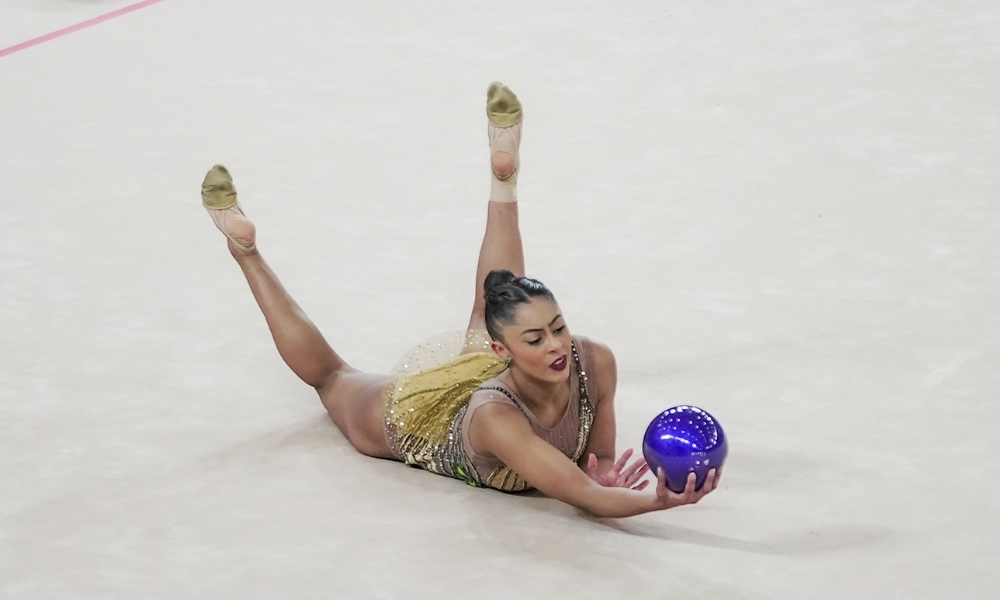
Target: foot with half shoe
{"points": [[505, 116], [218, 195]]}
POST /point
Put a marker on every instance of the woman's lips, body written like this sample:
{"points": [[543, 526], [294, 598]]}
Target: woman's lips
{"points": [[560, 364]]}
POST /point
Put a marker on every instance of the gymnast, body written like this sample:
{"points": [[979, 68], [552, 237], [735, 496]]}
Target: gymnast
{"points": [[524, 404]]}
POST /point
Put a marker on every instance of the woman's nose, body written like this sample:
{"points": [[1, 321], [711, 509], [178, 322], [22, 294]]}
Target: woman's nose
{"points": [[553, 345]]}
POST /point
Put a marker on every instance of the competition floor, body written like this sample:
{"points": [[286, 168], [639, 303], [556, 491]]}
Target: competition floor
{"points": [[783, 212]]}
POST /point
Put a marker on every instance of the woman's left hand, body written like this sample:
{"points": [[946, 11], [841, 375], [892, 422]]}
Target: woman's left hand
{"points": [[619, 475]]}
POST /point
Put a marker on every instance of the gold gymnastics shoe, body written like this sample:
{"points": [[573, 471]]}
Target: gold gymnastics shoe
{"points": [[504, 112], [502, 106], [218, 195]]}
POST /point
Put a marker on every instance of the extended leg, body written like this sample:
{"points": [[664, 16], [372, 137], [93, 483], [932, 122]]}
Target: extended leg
{"points": [[299, 342], [501, 247], [352, 398]]}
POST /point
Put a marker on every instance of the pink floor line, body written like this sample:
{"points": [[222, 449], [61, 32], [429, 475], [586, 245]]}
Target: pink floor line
{"points": [[73, 28]]}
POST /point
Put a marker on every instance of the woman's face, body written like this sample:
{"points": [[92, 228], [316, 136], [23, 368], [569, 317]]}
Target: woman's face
{"points": [[538, 341]]}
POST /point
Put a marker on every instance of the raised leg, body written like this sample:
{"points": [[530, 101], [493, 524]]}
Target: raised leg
{"points": [[502, 248], [352, 398], [299, 343]]}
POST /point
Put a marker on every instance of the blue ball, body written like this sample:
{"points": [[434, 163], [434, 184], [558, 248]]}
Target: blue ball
{"points": [[683, 440]]}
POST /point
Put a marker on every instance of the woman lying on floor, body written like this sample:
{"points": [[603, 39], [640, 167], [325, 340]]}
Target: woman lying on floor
{"points": [[524, 404]]}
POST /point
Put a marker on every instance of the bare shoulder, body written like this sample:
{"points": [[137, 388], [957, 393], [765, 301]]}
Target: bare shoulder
{"points": [[604, 368], [497, 411], [602, 357]]}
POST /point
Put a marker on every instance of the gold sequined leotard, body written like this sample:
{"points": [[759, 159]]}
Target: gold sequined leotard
{"points": [[427, 415]]}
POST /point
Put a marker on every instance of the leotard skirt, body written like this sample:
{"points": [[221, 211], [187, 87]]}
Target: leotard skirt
{"points": [[426, 403]]}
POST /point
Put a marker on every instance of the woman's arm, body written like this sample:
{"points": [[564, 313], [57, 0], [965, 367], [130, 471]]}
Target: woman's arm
{"points": [[502, 431], [602, 433]]}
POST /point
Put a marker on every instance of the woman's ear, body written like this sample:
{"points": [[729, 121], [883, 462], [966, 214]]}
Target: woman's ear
{"points": [[500, 350]]}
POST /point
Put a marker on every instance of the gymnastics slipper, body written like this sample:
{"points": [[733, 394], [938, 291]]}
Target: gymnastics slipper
{"points": [[218, 195]]}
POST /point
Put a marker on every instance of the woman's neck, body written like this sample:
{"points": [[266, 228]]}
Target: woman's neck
{"points": [[542, 397]]}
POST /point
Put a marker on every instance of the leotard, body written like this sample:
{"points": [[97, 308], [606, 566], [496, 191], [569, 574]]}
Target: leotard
{"points": [[428, 416]]}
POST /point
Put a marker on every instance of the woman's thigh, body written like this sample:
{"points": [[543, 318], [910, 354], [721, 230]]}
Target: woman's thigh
{"points": [[356, 404]]}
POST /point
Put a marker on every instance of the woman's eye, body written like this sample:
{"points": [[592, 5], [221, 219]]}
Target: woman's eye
{"points": [[560, 329], [534, 342]]}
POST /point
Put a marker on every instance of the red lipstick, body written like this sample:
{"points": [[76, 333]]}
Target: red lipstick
{"points": [[560, 364]]}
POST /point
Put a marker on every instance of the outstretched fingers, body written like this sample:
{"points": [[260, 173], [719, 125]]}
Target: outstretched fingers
{"points": [[623, 461], [621, 474], [636, 472]]}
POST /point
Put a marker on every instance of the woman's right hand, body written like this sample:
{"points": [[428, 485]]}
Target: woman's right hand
{"points": [[666, 498]]}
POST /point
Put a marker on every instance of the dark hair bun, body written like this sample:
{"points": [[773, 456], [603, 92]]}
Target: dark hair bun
{"points": [[504, 291], [497, 278]]}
